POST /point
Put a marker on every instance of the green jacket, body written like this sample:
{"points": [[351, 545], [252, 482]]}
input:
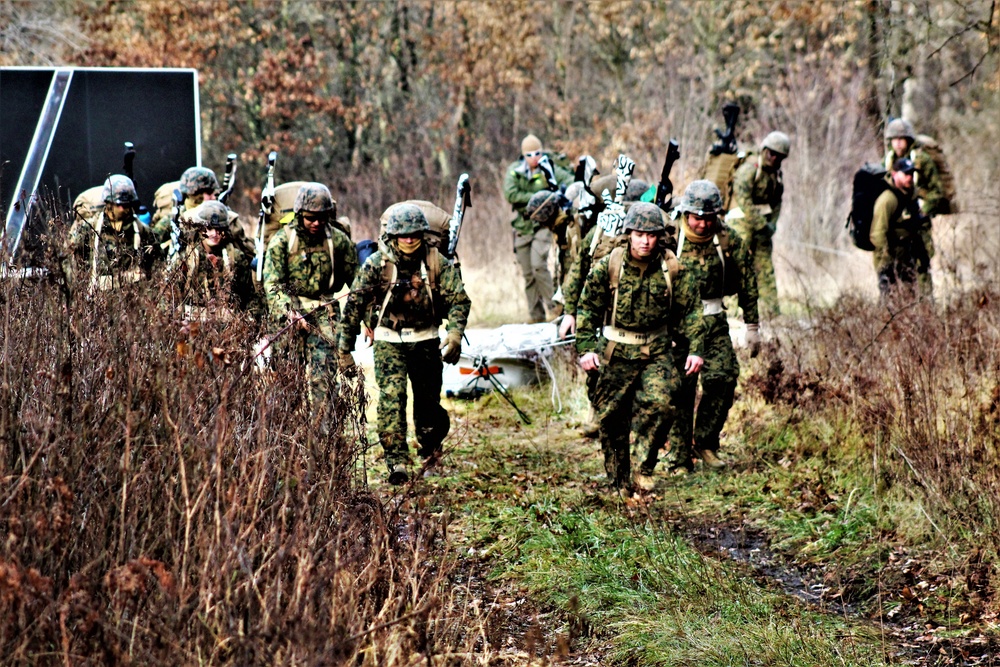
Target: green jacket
{"points": [[298, 267], [737, 277], [758, 194], [413, 302], [130, 250], [894, 226], [229, 271], [519, 184], [644, 305], [926, 181]]}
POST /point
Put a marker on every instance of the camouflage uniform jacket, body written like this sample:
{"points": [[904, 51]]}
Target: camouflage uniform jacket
{"points": [[644, 305], [130, 249], [758, 194], [894, 225], [519, 184], [304, 270], [927, 181], [577, 273], [409, 304], [226, 268], [715, 280]]}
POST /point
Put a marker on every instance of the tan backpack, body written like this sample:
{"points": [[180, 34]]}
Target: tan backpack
{"points": [[437, 218]]}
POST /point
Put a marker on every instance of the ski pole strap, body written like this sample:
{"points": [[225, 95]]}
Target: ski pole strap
{"points": [[405, 335]]}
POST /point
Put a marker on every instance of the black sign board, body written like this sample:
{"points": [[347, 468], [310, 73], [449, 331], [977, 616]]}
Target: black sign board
{"points": [[62, 131]]}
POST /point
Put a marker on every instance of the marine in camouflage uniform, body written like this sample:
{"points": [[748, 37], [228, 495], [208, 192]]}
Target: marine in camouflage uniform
{"points": [[306, 263], [590, 251], [628, 332], [215, 273], [118, 248], [900, 139], [757, 193], [532, 242], [721, 266], [899, 252], [197, 185], [401, 295]]}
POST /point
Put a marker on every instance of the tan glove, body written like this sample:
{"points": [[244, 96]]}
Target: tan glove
{"points": [[753, 339], [452, 347], [345, 361]]}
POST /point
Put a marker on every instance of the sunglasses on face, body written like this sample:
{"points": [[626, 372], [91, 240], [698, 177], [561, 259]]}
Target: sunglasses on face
{"points": [[532, 153], [313, 217]]}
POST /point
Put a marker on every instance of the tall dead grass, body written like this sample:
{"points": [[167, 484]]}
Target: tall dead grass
{"points": [[160, 503], [920, 383]]}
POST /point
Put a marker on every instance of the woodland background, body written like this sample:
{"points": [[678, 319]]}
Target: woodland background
{"points": [[386, 100]]}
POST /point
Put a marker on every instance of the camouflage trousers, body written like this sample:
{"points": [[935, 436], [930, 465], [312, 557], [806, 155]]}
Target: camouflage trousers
{"points": [[718, 387], [643, 390], [532, 252], [761, 245], [316, 349], [421, 363]]}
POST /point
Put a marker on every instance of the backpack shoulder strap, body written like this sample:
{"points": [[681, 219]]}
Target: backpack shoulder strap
{"points": [[433, 266], [292, 239], [594, 242], [389, 274]]}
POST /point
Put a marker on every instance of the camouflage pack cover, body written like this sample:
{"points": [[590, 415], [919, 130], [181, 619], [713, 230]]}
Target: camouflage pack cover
{"points": [[119, 189], [210, 214], [899, 127], [197, 179], [777, 142], [437, 220], [90, 202], [314, 198], [644, 217], [403, 219], [283, 210], [702, 198]]}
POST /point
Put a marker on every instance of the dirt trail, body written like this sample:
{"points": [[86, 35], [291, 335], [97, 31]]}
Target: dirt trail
{"points": [[908, 641]]}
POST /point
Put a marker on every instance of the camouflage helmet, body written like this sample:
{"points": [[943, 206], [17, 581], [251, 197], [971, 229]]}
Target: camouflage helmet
{"points": [[635, 190], [899, 128], [314, 198], [544, 205], [777, 142], [198, 179], [119, 189], [644, 217], [405, 219], [701, 198], [211, 214]]}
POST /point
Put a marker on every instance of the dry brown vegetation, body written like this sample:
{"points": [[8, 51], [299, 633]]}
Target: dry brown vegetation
{"points": [[163, 504]]}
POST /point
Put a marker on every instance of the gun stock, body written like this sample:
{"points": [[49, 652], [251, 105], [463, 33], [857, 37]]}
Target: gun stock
{"points": [[128, 160], [727, 139], [665, 188]]}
